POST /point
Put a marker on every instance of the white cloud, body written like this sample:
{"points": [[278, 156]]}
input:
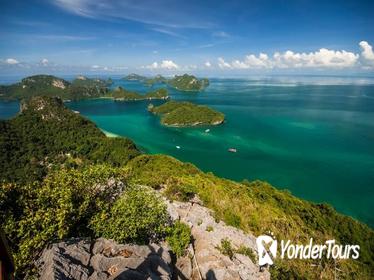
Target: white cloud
{"points": [[367, 53], [11, 61], [168, 64], [160, 13], [220, 34], [223, 64], [44, 61], [165, 64], [323, 58], [208, 64]]}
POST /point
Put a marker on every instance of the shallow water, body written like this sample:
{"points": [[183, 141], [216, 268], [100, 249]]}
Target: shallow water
{"points": [[314, 138]]}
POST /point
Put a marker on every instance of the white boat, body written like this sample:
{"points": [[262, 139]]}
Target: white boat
{"points": [[178, 147], [207, 130], [232, 150]]}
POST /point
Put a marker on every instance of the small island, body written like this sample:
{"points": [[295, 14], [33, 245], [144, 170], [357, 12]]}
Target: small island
{"points": [[188, 83], [185, 114], [121, 94]]}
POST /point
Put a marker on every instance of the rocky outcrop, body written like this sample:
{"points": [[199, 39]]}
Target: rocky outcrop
{"points": [[205, 260], [104, 259]]}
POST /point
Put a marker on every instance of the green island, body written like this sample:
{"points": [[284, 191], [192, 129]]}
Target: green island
{"points": [[182, 83], [121, 94], [61, 177], [84, 88], [80, 88], [134, 77], [182, 114], [158, 79], [188, 83]]}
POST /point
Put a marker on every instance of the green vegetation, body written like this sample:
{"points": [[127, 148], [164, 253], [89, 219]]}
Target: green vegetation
{"points": [[226, 248], [121, 94], [179, 192], [83, 81], [258, 207], [54, 186], [155, 80], [246, 251], [46, 135], [175, 113], [209, 229], [178, 237], [138, 216], [52, 86], [61, 206], [35, 85], [188, 83]]}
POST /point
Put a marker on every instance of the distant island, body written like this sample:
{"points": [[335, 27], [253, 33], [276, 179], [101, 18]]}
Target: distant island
{"points": [[183, 114], [188, 83], [158, 79], [121, 94], [134, 77], [182, 83], [48, 85], [84, 88], [80, 88]]}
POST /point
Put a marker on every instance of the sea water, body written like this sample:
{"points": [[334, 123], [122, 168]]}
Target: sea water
{"points": [[313, 136]]}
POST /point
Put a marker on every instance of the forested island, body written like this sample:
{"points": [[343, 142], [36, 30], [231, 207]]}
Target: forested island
{"points": [[121, 94], [188, 83], [62, 178], [80, 88], [181, 114], [85, 88], [182, 83], [134, 77], [158, 79]]}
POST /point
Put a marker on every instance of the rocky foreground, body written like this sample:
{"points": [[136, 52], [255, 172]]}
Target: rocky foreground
{"points": [[105, 259]]}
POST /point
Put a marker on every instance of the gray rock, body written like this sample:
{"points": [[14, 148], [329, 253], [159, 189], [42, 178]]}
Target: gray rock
{"points": [[207, 234], [78, 259]]}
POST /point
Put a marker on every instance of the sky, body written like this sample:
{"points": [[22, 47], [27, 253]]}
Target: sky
{"points": [[214, 38]]}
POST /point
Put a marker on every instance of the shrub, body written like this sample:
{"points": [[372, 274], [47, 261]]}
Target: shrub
{"points": [[226, 248], [209, 229], [59, 207], [179, 192], [231, 218], [138, 216], [178, 237], [246, 251]]}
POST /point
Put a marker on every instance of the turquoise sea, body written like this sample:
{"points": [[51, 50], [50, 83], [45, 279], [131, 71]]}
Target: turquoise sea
{"points": [[313, 136]]}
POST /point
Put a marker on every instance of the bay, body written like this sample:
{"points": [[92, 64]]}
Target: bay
{"points": [[312, 136]]}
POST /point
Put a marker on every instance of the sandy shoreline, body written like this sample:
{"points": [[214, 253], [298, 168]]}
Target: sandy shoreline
{"points": [[110, 134]]}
